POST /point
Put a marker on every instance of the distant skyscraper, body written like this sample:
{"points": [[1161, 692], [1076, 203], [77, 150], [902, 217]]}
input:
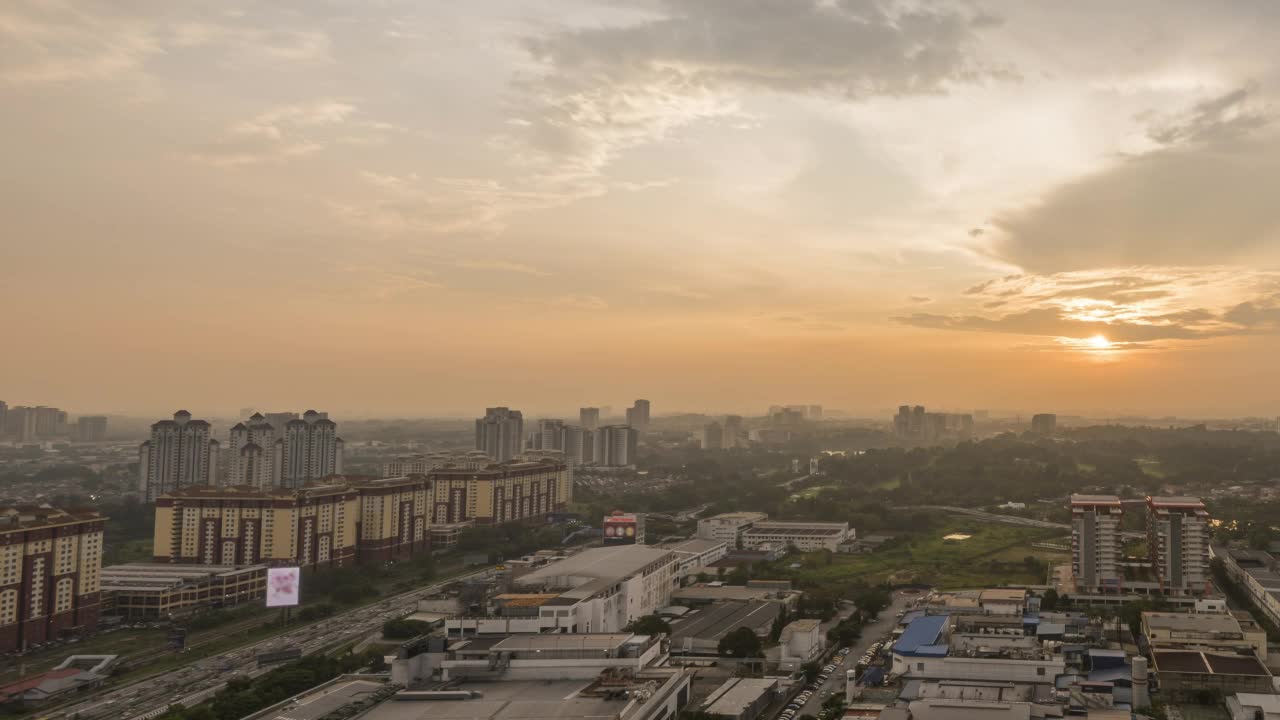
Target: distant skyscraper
{"points": [[713, 436], [638, 415], [1044, 423], [735, 435], [615, 445], [91, 428], [180, 453], [500, 433], [579, 445], [550, 435], [589, 418], [279, 419], [4, 418], [814, 412], [253, 457], [309, 449]]}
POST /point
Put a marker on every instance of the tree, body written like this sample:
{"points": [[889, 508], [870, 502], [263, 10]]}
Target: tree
{"points": [[741, 643], [404, 629], [779, 623], [649, 625], [810, 671], [1049, 601]]}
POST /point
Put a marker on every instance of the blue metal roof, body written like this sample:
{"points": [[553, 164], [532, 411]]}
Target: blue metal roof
{"points": [[923, 632]]}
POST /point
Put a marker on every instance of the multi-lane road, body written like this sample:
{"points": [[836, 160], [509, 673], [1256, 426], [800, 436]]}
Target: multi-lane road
{"points": [[199, 681], [1008, 519]]}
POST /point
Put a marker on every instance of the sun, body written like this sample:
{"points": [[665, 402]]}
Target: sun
{"points": [[1099, 342]]}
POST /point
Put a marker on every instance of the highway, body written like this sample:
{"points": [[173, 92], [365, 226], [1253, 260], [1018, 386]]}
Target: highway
{"points": [[199, 681], [1009, 519]]}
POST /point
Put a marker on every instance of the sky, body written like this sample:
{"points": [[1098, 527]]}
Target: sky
{"points": [[389, 207]]}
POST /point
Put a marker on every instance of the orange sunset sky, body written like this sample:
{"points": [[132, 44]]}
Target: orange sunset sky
{"points": [[417, 208]]}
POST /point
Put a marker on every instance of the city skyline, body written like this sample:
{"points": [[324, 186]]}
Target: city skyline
{"points": [[712, 205]]}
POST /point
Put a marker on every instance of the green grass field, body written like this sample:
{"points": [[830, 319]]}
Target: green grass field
{"points": [[993, 554], [812, 492]]}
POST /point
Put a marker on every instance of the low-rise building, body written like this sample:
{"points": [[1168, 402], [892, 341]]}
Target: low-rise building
{"points": [[801, 641], [693, 556], [76, 674], [1203, 631], [163, 590], [1251, 706], [1183, 672], [700, 632], [805, 536], [741, 698], [1257, 573], [728, 527], [929, 650]]}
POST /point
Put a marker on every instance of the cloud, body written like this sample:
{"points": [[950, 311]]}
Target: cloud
{"points": [[579, 302], [280, 133], [1203, 197], [1131, 305], [603, 89], [920, 299], [502, 266]]}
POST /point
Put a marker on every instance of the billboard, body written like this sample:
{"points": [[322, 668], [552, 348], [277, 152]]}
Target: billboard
{"points": [[623, 529], [282, 586]]}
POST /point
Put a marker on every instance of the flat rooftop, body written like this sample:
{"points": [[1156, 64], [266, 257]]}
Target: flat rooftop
{"points": [[708, 593], [695, 546], [717, 621], [1192, 661], [738, 694], [1188, 622], [780, 529], [317, 704], [527, 643], [1095, 500], [508, 700], [615, 563]]}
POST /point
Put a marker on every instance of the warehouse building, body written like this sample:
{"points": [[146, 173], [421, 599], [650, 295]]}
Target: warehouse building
{"points": [[163, 590]]}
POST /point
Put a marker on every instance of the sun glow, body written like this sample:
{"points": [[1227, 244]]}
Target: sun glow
{"points": [[1098, 342]]}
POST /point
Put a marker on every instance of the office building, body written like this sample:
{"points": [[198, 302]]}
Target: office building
{"points": [[309, 449], [181, 453], [713, 436], [1178, 544], [50, 574], [498, 493], [1096, 543], [589, 418], [638, 416], [804, 536], [729, 527], [615, 446], [91, 428], [1044, 423], [500, 433]]}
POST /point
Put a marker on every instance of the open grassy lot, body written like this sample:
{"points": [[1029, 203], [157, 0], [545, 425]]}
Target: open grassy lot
{"points": [[993, 554]]}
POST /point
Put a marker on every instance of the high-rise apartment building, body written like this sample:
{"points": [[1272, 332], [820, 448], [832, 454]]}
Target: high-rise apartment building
{"points": [[504, 492], [589, 418], [615, 445], [500, 433], [713, 436], [550, 435], [735, 433], [1178, 543], [50, 574], [91, 428], [33, 424], [1044, 423], [310, 449], [180, 453], [638, 416], [423, 464], [1096, 543], [253, 458]]}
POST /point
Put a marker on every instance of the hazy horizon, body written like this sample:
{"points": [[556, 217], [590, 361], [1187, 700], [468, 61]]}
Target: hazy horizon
{"points": [[413, 209]]}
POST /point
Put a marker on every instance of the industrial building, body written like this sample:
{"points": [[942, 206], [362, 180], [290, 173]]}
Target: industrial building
{"points": [[1182, 672], [163, 590], [801, 641], [741, 698], [694, 556], [1203, 631], [804, 536], [1257, 573], [600, 590], [700, 633], [728, 527]]}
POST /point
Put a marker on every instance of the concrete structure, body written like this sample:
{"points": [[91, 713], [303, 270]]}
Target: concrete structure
{"points": [[574, 677], [805, 536], [309, 450], [729, 527], [1183, 672], [180, 453], [500, 433], [1202, 631], [693, 556], [1250, 706], [597, 590], [393, 517], [423, 464], [162, 591], [741, 698], [1257, 573], [1178, 543], [1044, 423], [50, 574], [615, 446], [91, 428], [700, 633], [801, 641], [589, 418], [498, 493], [638, 415], [1096, 544]]}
